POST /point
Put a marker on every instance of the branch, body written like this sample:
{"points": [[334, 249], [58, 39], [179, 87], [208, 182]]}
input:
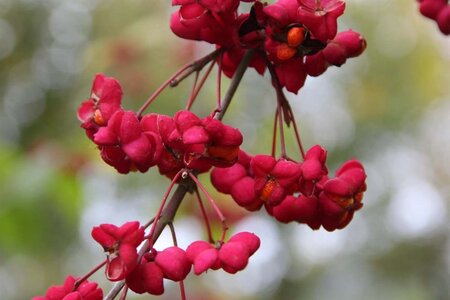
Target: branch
{"points": [[179, 76], [167, 217], [286, 109], [281, 98], [195, 66], [187, 184], [235, 81]]}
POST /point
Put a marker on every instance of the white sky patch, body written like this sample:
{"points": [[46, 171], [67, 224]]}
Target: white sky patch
{"points": [[318, 246], [402, 162], [321, 108], [415, 210], [102, 203]]}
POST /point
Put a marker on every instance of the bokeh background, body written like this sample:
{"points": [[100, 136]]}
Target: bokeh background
{"points": [[390, 108]]}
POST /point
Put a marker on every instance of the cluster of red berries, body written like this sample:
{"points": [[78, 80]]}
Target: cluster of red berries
{"points": [[146, 273], [286, 33], [294, 191], [231, 256], [290, 38], [437, 10], [70, 290], [130, 142]]}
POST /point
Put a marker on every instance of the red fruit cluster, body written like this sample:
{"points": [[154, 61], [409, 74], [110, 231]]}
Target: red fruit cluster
{"points": [[148, 277], [68, 291], [105, 100], [120, 245], [257, 181], [193, 143], [129, 142], [437, 10], [292, 191], [290, 38], [118, 133], [345, 45], [238, 181], [125, 145], [231, 256], [205, 20], [286, 32]]}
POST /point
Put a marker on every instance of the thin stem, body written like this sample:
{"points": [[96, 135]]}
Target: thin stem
{"points": [[274, 134], [219, 82], [182, 290], [281, 98], [167, 216], [280, 124], [297, 134], [224, 233], [115, 290], [160, 209], [175, 243], [179, 75], [235, 81], [124, 293], [205, 216], [173, 234], [286, 108], [200, 85], [149, 223], [161, 88], [213, 204], [90, 273], [197, 66], [191, 97], [187, 184]]}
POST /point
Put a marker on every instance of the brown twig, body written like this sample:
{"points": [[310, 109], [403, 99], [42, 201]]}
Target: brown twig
{"points": [[236, 80], [187, 184]]}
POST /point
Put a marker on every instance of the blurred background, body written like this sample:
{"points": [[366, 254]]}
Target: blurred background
{"points": [[390, 108]]}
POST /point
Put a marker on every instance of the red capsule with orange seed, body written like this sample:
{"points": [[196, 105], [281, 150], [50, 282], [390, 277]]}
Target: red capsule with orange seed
{"points": [[284, 52], [295, 36], [98, 118]]}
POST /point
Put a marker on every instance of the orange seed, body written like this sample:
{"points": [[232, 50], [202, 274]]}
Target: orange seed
{"points": [[295, 36], [98, 118], [268, 189], [284, 52]]}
